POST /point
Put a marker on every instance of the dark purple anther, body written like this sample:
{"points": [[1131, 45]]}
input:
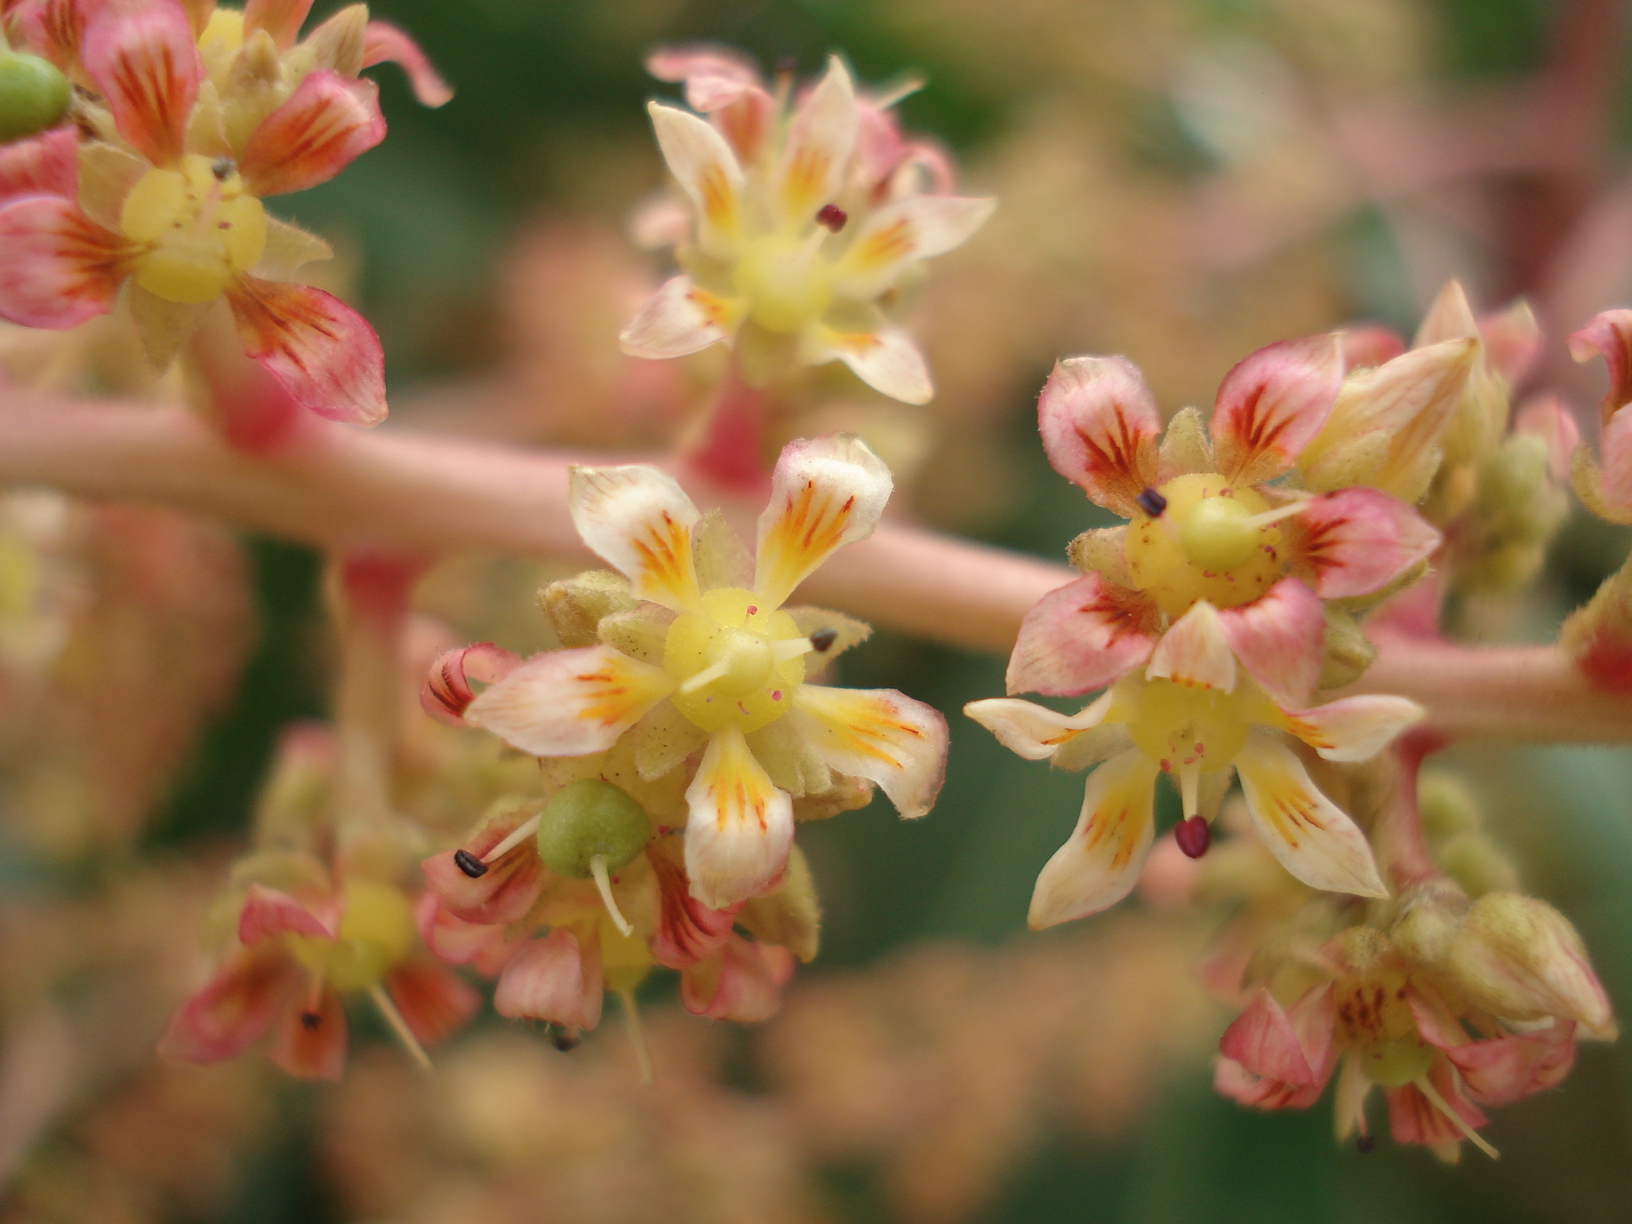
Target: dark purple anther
{"points": [[1193, 835], [1152, 503], [565, 1039], [469, 864], [832, 217], [1364, 1144], [310, 1020], [822, 640]]}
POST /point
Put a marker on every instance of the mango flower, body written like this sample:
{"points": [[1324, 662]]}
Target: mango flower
{"points": [[1194, 715], [803, 229], [712, 663], [1206, 524]]}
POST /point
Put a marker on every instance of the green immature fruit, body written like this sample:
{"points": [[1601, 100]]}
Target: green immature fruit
{"points": [[33, 95], [590, 819]]}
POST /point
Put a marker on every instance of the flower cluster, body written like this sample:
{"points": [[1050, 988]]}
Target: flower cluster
{"points": [[185, 118]]}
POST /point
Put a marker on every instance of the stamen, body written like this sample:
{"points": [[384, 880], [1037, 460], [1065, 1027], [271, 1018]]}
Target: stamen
{"points": [[221, 167], [1152, 503], [831, 217], [517, 835], [566, 1039], [603, 881], [792, 648], [708, 675], [904, 88], [1190, 787], [822, 640], [638, 1036], [1457, 1120], [469, 864], [399, 1026], [1276, 515]]}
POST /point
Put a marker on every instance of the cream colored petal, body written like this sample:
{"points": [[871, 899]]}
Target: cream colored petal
{"points": [[887, 360], [816, 157], [826, 492], [1354, 728], [639, 519], [740, 826], [1033, 731], [918, 227], [1195, 652], [877, 734], [707, 171], [1099, 863], [569, 702]]}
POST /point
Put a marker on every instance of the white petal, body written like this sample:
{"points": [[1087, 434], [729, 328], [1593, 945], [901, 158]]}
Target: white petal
{"points": [[706, 169], [640, 520], [1194, 652], [816, 158], [910, 229], [740, 828], [886, 360], [1034, 731], [1355, 728], [877, 734], [826, 492], [1099, 863], [569, 702], [678, 319]]}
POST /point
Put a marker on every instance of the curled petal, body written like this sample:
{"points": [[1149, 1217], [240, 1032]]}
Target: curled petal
{"points": [[1302, 828], [144, 63], [678, 319], [715, 77], [1195, 652], [1231, 1079], [820, 140], [281, 19], [1354, 728], [1293, 1047], [826, 492], [744, 983], [1359, 540], [917, 227], [386, 44], [1272, 403], [46, 165], [640, 520], [1082, 636], [552, 979], [433, 1000], [740, 826], [502, 893], [1278, 638], [454, 941], [446, 693], [1615, 451], [57, 267], [687, 930], [1609, 334], [1033, 731], [232, 1009], [706, 169], [268, 913], [1503, 1069], [1099, 863], [321, 351], [877, 734], [1099, 425], [1413, 1118], [310, 1043], [326, 123], [569, 702]]}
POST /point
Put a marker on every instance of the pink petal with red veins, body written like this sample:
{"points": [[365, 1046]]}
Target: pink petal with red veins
{"points": [[146, 65], [1278, 638], [687, 930], [1360, 540], [1615, 455], [433, 1000], [452, 939], [1272, 403], [312, 1044], [1194, 652], [324, 125], [1365, 347], [385, 43], [1082, 636], [744, 984], [554, 980], [504, 892], [1609, 334], [51, 29], [268, 912], [322, 351], [1413, 1118], [57, 267], [233, 1008], [1503, 1069], [447, 692], [46, 165], [281, 19], [1100, 425], [1292, 1047], [1233, 1080]]}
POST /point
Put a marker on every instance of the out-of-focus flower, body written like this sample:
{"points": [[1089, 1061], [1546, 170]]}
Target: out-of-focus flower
{"points": [[1606, 486], [800, 239], [711, 662], [1194, 715]]}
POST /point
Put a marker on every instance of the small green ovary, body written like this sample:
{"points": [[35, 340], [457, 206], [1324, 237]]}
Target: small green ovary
{"points": [[734, 639]]}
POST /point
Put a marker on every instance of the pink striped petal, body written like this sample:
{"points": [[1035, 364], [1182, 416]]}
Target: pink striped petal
{"points": [[570, 702], [52, 29], [281, 19], [1278, 638], [505, 891], [714, 77], [326, 123], [740, 827], [1293, 1047], [232, 1009], [454, 941], [877, 734], [386, 44], [1100, 425], [1413, 1118], [433, 1000], [1082, 636], [687, 930], [144, 62], [446, 693], [57, 267], [816, 155], [1503, 1069], [826, 492], [1610, 335], [744, 983], [1272, 403], [268, 913], [311, 1044], [1232, 1080], [554, 979], [320, 350], [1194, 652], [1099, 863], [45, 165], [1358, 540], [1353, 728]]}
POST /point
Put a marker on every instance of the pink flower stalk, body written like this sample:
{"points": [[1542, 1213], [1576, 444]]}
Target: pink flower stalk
{"points": [[1196, 715], [297, 956], [1394, 1026], [1206, 525], [711, 664], [801, 230]]}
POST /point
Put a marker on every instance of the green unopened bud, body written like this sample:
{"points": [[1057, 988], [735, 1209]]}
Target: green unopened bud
{"points": [[1520, 959], [588, 820], [577, 605], [1346, 653], [34, 94]]}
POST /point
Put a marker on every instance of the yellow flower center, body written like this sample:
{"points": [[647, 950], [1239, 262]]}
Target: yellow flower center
{"points": [[786, 281], [1178, 725], [202, 228], [1208, 543], [376, 931], [731, 662]]}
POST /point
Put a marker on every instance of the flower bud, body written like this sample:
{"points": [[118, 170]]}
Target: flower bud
{"points": [[1346, 653], [33, 95], [1522, 960], [591, 819]]}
